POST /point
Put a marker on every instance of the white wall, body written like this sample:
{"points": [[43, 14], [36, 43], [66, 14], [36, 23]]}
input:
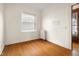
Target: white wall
{"points": [[13, 32], [1, 29], [56, 20]]}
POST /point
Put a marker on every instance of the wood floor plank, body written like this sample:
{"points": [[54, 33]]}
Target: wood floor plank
{"points": [[76, 47], [35, 48]]}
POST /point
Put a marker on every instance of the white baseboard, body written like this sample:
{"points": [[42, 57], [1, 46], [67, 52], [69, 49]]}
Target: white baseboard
{"points": [[1, 50]]}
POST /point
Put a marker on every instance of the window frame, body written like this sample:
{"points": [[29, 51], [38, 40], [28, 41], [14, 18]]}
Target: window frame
{"points": [[74, 32], [32, 30]]}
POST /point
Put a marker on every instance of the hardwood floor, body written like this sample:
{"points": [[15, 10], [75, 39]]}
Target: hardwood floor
{"points": [[76, 48], [35, 48]]}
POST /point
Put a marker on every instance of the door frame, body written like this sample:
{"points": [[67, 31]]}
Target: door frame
{"points": [[71, 25]]}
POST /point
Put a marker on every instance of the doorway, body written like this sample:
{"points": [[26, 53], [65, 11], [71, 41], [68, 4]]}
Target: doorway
{"points": [[75, 30]]}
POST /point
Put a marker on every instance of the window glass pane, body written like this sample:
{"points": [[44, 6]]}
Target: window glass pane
{"points": [[27, 22], [27, 18], [74, 30], [74, 19], [74, 24]]}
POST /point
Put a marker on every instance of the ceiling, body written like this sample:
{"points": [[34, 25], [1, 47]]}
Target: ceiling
{"points": [[41, 6], [38, 6]]}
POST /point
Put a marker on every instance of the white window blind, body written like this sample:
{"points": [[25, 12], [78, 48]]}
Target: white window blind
{"points": [[27, 22]]}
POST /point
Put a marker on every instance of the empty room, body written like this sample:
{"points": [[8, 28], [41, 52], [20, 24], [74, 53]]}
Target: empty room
{"points": [[37, 29]]}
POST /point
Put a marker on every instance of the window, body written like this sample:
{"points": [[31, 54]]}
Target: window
{"points": [[27, 22], [74, 24]]}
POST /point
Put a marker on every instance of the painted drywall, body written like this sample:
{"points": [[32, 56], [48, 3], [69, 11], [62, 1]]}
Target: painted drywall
{"points": [[13, 32], [56, 20], [1, 28]]}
